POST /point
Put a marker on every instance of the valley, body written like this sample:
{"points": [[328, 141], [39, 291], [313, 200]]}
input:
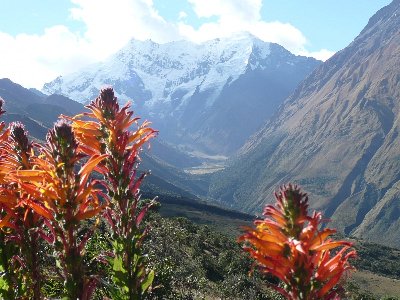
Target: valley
{"points": [[336, 136], [199, 96], [182, 193], [238, 117]]}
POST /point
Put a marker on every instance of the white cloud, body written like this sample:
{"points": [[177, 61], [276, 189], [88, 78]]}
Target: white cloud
{"points": [[111, 24], [32, 60], [323, 54], [240, 10], [241, 15], [244, 15], [182, 15]]}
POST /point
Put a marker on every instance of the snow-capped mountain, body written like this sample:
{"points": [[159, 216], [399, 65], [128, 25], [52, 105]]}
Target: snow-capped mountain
{"points": [[209, 97]]}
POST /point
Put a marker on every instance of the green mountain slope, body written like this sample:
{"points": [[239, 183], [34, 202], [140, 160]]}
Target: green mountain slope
{"points": [[337, 136]]}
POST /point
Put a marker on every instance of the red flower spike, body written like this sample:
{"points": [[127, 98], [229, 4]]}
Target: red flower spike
{"points": [[288, 244], [61, 195], [22, 212], [108, 136]]}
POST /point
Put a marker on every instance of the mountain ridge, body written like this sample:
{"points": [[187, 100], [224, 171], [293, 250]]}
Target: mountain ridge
{"points": [[193, 93], [39, 112], [337, 136]]}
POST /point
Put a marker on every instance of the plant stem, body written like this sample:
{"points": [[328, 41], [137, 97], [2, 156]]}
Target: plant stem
{"points": [[9, 274], [36, 277]]}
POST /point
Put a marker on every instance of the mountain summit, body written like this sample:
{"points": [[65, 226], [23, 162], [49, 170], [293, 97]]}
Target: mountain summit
{"points": [[337, 136], [209, 97]]}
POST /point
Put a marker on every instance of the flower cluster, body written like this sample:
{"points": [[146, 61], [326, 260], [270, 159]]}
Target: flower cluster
{"points": [[57, 192], [107, 133], [288, 244]]}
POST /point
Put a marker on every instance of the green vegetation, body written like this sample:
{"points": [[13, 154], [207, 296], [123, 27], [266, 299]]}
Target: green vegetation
{"points": [[195, 262], [190, 262], [227, 226], [378, 259], [70, 233], [198, 261]]}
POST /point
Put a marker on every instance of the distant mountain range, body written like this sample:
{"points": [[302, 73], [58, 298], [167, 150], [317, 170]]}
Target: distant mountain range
{"points": [[337, 136], [333, 128], [38, 112], [207, 97]]}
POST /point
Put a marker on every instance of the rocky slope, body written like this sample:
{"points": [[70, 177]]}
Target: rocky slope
{"points": [[337, 136], [207, 97]]}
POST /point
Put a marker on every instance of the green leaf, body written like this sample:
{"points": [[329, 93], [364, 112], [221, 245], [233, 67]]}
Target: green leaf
{"points": [[118, 264], [119, 273], [146, 283], [3, 287], [115, 291], [117, 246]]}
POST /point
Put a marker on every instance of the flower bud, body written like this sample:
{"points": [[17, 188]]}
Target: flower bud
{"points": [[19, 135], [108, 102], [61, 140]]}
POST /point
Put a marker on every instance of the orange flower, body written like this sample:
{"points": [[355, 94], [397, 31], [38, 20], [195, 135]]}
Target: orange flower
{"points": [[60, 182], [55, 181], [23, 213], [288, 244], [50, 185], [17, 155], [108, 133], [110, 127]]}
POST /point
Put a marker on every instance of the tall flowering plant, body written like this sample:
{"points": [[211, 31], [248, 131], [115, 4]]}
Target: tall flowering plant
{"points": [[51, 192], [289, 244], [21, 222], [10, 280], [108, 133], [65, 197]]}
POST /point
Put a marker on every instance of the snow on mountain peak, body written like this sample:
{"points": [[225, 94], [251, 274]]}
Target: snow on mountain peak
{"points": [[164, 69], [193, 92]]}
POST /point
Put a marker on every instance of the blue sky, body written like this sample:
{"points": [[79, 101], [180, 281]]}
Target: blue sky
{"points": [[42, 39]]}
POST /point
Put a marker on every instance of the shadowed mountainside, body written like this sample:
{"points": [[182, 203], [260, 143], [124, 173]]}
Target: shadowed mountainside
{"points": [[337, 136], [199, 96]]}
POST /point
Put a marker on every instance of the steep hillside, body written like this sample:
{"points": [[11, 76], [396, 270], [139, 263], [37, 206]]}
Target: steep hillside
{"points": [[172, 155], [37, 111], [197, 95], [337, 136], [166, 178]]}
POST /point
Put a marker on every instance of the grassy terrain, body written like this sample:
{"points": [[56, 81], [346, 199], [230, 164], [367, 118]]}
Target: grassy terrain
{"points": [[374, 285], [222, 223], [378, 259]]}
